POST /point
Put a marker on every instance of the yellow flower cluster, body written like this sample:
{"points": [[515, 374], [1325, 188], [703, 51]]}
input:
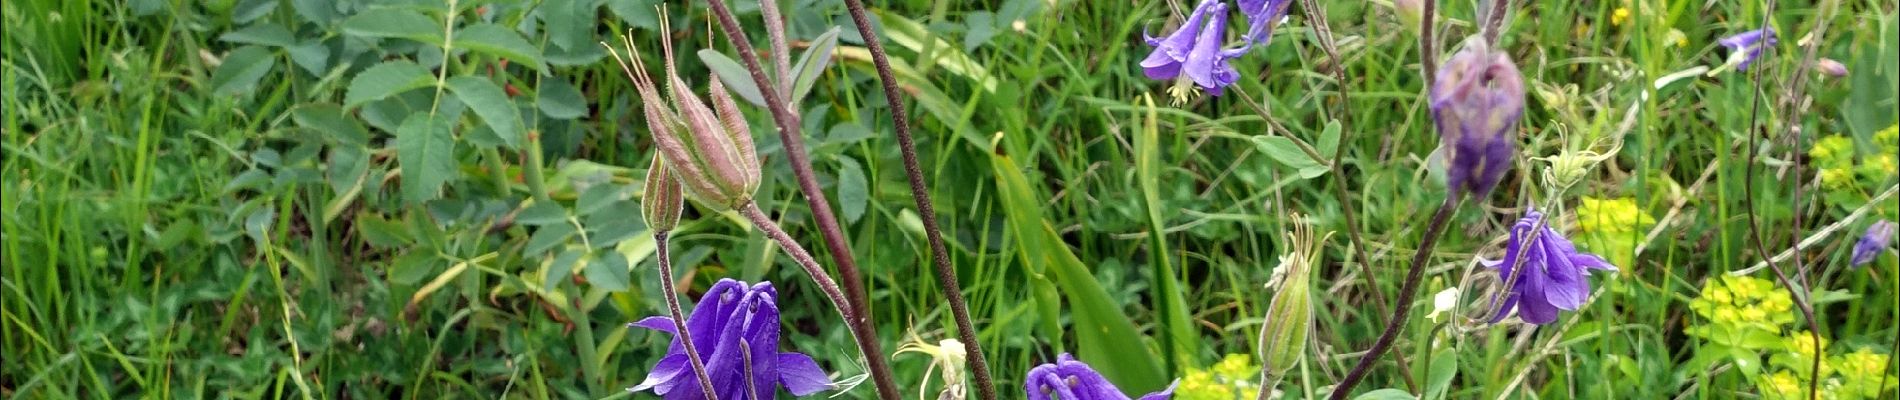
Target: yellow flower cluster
{"points": [[1742, 300], [1864, 373], [1840, 171], [1231, 378], [1612, 216], [1783, 385]]}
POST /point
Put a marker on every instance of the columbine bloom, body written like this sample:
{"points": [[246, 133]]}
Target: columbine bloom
{"points": [[1554, 276], [736, 327], [1195, 53], [1476, 102], [1878, 237], [1262, 15], [1068, 379], [1744, 47]]}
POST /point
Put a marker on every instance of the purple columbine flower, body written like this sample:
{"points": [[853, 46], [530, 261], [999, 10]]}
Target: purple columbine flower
{"points": [[734, 325], [1195, 51], [1262, 16], [1476, 101], [1068, 379], [1878, 237], [1744, 47], [1554, 273]]}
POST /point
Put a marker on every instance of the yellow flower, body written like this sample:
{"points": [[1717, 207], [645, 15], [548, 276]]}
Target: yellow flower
{"points": [[1835, 150], [1782, 385], [1677, 38], [1612, 215], [1231, 378], [1888, 139], [1619, 16]]}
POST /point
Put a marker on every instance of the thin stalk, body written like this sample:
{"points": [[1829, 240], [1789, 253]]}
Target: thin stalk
{"points": [[1396, 323], [663, 256], [1427, 43], [1494, 20], [531, 169], [781, 54], [788, 131], [818, 276], [1754, 224], [920, 193], [1322, 29]]}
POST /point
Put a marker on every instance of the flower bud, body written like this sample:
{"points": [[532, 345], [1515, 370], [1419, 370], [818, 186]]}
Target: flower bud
{"points": [[661, 203], [1476, 102], [1831, 67], [1290, 315], [709, 152]]}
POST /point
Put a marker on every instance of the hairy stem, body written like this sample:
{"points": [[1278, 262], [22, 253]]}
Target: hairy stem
{"points": [[1403, 308], [794, 144], [1427, 42], [1494, 20], [1322, 29], [920, 193], [663, 256], [866, 343]]}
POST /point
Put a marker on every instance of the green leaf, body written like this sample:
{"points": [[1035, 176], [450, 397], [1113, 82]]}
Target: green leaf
{"points": [[501, 42], [242, 69], [329, 119], [542, 213], [1177, 329], [638, 13], [1386, 394], [425, 148], [1329, 139], [395, 23], [546, 238], [560, 100], [853, 192], [318, 12], [267, 34], [608, 271], [384, 80], [412, 266], [312, 56], [493, 105], [561, 268], [570, 23], [734, 75], [1106, 337], [1284, 151], [813, 63], [1438, 379], [598, 197]]}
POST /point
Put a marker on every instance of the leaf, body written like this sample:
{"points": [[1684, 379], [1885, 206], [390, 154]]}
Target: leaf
{"points": [[1287, 153], [312, 56], [384, 80], [318, 12], [493, 105], [500, 42], [1106, 337], [546, 238], [1329, 139], [242, 69], [562, 267], [912, 35], [1386, 394], [395, 23], [638, 13], [542, 213], [267, 34], [598, 197], [250, 10], [1438, 379], [733, 75], [853, 192], [425, 149], [570, 23], [412, 266], [608, 271], [813, 63], [329, 119], [1176, 326], [560, 100]]}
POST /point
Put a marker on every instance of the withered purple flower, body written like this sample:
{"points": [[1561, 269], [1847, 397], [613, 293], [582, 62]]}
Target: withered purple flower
{"points": [[1068, 379], [740, 326], [1744, 47], [1554, 276], [1476, 102], [1878, 237]]}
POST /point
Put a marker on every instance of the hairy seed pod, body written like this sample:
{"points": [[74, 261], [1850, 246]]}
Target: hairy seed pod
{"points": [[661, 203]]}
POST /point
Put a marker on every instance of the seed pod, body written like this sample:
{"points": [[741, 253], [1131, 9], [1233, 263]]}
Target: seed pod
{"points": [[1289, 319], [709, 153], [661, 203]]}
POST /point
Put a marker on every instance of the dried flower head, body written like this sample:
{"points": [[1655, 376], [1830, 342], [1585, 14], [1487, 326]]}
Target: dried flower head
{"points": [[1476, 102]]}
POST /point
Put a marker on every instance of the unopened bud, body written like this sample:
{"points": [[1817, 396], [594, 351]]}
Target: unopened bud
{"points": [[661, 203], [1831, 68], [1289, 317], [1477, 101], [709, 153]]}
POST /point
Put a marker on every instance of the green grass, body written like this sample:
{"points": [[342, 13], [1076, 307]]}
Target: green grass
{"points": [[194, 212]]}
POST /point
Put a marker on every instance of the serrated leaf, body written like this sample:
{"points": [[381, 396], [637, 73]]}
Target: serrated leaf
{"points": [[242, 69], [384, 80], [312, 56], [813, 63], [542, 213], [395, 23], [546, 238], [250, 10], [733, 75], [853, 193], [560, 100], [412, 266], [638, 13], [501, 42], [329, 119], [318, 12], [425, 149], [570, 23], [607, 271], [490, 103], [267, 34]]}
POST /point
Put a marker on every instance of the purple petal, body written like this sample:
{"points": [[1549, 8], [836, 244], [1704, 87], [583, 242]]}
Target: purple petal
{"points": [[667, 374], [1164, 394], [662, 324], [1207, 49], [761, 329], [801, 375]]}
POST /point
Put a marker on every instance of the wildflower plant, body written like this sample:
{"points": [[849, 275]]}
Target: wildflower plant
{"points": [[1612, 227], [1850, 174], [1233, 378]]}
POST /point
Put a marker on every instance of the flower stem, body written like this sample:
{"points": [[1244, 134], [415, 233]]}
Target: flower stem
{"points": [[920, 193], [665, 260], [866, 342], [1402, 308], [1427, 42], [856, 306]]}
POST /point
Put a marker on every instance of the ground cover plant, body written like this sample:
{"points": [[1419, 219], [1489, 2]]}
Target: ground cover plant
{"points": [[1043, 199]]}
